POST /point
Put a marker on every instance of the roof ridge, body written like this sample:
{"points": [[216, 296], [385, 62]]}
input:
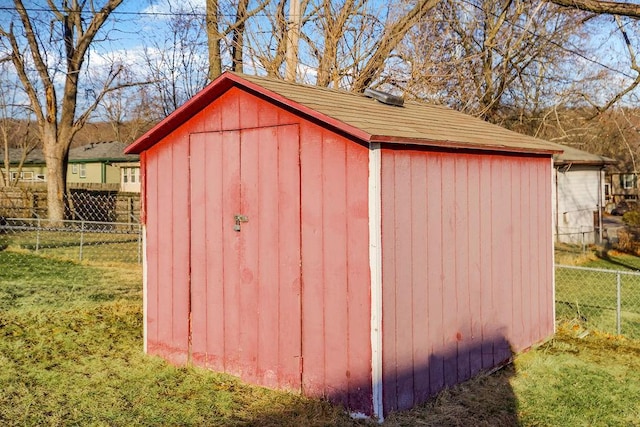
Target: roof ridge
{"points": [[299, 84]]}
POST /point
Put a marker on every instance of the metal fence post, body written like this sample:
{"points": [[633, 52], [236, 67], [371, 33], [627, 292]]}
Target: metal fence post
{"points": [[81, 238], [38, 235], [618, 303]]}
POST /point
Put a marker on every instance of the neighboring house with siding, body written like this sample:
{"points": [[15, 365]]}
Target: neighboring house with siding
{"points": [[578, 195], [33, 167], [621, 186], [95, 163]]}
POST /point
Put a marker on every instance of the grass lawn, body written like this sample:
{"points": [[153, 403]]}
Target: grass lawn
{"points": [[71, 354], [115, 247]]}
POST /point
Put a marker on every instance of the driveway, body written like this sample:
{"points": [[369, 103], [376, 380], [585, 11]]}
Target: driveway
{"points": [[611, 224]]}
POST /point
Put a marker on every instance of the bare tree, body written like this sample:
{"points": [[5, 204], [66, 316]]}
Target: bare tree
{"points": [[620, 10], [175, 59], [489, 58], [218, 30], [47, 46], [237, 44], [348, 43], [130, 113], [395, 31], [268, 43], [335, 23], [214, 36]]}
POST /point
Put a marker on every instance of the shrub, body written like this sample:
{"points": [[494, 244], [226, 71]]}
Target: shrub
{"points": [[632, 219]]}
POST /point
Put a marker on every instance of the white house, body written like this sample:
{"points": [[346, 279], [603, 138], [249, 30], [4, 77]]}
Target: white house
{"points": [[578, 195]]}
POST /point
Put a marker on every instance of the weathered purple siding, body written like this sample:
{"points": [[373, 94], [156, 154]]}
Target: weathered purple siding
{"points": [[467, 274]]}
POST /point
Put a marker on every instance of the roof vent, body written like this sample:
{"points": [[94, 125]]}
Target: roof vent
{"points": [[384, 97]]}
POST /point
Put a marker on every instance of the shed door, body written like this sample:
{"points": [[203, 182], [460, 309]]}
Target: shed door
{"points": [[245, 285]]}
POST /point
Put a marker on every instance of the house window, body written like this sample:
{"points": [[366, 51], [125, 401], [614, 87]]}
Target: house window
{"points": [[628, 180], [74, 168], [26, 176], [83, 170], [130, 175]]}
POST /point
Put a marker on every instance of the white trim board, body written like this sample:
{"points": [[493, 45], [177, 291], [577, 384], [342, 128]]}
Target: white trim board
{"points": [[145, 290], [375, 266]]}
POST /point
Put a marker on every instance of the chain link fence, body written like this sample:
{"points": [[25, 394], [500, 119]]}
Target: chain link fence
{"points": [[80, 204], [104, 242], [600, 299], [100, 225]]}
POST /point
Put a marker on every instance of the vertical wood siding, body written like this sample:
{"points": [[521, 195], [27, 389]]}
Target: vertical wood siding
{"points": [[248, 282], [335, 249], [167, 252], [334, 329], [214, 167], [466, 266]]}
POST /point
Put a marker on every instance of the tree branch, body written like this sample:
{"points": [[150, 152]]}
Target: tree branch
{"points": [[634, 67], [41, 67], [18, 63], [394, 34], [107, 88], [602, 7]]}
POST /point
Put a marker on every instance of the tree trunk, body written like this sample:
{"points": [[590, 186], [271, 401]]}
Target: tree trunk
{"points": [[237, 48], [55, 155], [213, 40], [293, 37]]}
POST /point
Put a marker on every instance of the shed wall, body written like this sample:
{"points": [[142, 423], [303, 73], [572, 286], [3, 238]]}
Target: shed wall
{"points": [[167, 251], [336, 355], [467, 266], [335, 269]]}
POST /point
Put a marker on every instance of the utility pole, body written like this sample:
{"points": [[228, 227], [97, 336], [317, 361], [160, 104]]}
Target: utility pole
{"points": [[293, 37]]}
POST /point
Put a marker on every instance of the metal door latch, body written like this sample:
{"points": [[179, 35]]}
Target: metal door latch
{"points": [[238, 219]]}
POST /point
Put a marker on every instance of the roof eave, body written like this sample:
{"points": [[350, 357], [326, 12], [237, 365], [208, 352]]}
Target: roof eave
{"points": [[179, 116], [601, 163], [462, 145], [103, 160]]}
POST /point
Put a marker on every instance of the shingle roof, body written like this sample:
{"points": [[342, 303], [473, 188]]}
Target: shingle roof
{"points": [[572, 155], [359, 116], [110, 151], [102, 151], [35, 156]]}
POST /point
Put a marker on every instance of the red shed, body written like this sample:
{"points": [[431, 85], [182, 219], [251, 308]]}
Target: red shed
{"points": [[324, 242]]}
